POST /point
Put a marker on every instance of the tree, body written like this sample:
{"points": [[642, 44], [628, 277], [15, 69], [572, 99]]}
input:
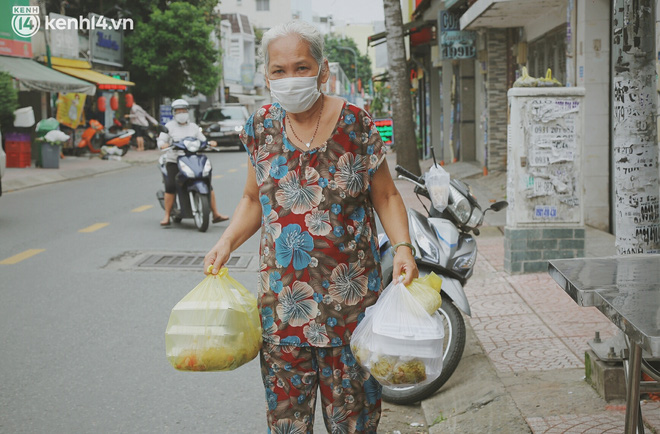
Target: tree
{"points": [[634, 133], [8, 101], [402, 115], [347, 60], [171, 53]]}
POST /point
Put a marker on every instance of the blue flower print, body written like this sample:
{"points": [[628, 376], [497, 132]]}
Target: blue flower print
{"points": [[268, 123], [327, 371], [301, 399], [374, 251], [287, 367], [322, 353], [358, 214], [332, 169], [290, 340], [325, 284], [278, 168], [331, 322], [293, 244], [296, 381], [352, 135], [371, 173], [267, 319], [271, 399], [335, 208], [347, 356], [360, 317], [336, 342], [265, 204], [345, 383], [338, 231], [276, 286], [372, 390], [323, 183], [287, 145], [318, 297], [349, 118], [342, 247], [374, 281], [362, 420], [370, 149], [249, 126]]}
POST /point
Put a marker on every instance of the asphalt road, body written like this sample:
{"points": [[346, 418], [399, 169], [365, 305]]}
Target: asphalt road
{"points": [[82, 327]]}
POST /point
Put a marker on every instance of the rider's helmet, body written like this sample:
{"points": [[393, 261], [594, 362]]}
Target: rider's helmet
{"points": [[178, 104]]}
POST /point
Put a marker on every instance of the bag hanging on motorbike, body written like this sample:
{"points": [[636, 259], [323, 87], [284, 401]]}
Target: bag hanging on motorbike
{"points": [[397, 341], [437, 183], [426, 291], [215, 327]]}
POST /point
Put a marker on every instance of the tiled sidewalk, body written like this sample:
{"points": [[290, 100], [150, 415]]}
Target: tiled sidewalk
{"points": [[527, 323]]}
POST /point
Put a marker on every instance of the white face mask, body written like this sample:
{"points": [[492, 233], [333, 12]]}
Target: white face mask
{"points": [[181, 118], [296, 94]]}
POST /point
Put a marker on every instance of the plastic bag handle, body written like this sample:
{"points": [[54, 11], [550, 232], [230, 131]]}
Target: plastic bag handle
{"points": [[222, 272]]}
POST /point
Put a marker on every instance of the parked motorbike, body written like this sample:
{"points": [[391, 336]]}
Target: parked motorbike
{"points": [[99, 141], [445, 246], [193, 183]]}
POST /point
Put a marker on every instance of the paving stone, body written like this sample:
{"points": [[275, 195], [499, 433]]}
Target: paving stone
{"points": [[510, 328], [498, 304], [530, 355], [607, 422]]}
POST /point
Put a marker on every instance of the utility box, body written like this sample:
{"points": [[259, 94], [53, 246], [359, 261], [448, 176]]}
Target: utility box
{"points": [[545, 217]]}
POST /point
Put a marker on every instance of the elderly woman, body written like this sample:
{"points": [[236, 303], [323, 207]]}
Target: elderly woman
{"points": [[317, 174]]}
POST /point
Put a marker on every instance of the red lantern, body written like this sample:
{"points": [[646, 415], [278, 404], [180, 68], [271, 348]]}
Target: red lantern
{"points": [[100, 103], [129, 100], [114, 102]]}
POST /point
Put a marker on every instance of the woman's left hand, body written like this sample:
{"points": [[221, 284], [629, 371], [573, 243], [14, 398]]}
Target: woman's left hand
{"points": [[404, 263]]}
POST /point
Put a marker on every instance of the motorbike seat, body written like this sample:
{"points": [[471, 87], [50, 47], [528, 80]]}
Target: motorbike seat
{"points": [[109, 136]]}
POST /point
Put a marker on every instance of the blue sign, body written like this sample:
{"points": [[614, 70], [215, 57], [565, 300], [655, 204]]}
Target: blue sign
{"points": [[165, 114], [449, 21], [458, 45]]}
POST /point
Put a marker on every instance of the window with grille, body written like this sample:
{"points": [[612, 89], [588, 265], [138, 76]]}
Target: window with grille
{"points": [[548, 51], [263, 5]]}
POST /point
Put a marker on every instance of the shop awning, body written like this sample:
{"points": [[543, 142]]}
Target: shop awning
{"points": [[82, 69], [507, 13], [408, 28], [34, 76]]}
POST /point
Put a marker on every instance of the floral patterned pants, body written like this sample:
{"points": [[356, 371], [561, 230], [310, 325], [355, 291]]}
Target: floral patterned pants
{"points": [[350, 397]]}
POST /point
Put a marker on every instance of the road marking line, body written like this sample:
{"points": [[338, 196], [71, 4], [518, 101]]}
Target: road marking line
{"points": [[232, 170], [94, 227], [218, 176], [142, 208], [21, 256]]}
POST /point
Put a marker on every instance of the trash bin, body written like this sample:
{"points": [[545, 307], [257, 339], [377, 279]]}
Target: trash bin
{"points": [[43, 127], [50, 156]]}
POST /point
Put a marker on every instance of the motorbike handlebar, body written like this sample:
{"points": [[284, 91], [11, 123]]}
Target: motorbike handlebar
{"points": [[405, 172]]}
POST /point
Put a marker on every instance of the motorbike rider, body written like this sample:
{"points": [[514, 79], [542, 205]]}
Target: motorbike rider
{"points": [[179, 128]]}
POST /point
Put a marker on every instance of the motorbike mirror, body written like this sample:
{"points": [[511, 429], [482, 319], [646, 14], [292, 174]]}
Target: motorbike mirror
{"points": [[163, 129], [499, 206]]}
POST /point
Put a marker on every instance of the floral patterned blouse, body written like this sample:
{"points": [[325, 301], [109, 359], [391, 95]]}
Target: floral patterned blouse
{"points": [[320, 266]]}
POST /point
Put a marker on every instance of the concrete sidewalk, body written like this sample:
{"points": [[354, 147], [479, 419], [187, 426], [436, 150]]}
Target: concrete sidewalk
{"points": [[523, 366]]}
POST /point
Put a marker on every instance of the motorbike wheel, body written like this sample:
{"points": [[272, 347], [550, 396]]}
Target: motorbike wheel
{"points": [[201, 210], [454, 344]]}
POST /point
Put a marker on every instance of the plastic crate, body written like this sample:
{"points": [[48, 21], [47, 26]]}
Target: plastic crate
{"points": [[17, 137], [18, 146], [19, 159]]}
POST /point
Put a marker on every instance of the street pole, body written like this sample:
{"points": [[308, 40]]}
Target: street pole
{"points": [[356, 67], [634, 135]]}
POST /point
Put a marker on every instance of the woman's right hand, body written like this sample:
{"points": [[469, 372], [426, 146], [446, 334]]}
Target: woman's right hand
{"points": [[217, 257]]}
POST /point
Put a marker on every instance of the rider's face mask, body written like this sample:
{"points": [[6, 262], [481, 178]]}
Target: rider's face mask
{"points": [[296, 94], [181, 118]]}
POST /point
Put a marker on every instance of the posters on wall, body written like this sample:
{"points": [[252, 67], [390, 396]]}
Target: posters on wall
{"points": [[70, 109]]}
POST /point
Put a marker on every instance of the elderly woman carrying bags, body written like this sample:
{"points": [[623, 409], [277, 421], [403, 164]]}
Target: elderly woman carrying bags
{"points": [[317, 174]]}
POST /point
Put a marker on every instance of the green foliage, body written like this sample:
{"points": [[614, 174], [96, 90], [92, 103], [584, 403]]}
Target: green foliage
{"points": [[171, 54], [347, 60], [381, 102], [8, 101]]}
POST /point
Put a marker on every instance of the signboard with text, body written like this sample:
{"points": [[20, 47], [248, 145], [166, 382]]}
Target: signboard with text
{"points": [[454, 43], [18, 21], [386, 130], [106, 43]]}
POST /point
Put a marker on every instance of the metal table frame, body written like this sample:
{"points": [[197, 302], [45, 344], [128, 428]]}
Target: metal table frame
{"points": [[616, 286]]}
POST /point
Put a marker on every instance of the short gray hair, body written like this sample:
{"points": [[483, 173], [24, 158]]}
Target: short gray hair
{"points": [[305, 31]]}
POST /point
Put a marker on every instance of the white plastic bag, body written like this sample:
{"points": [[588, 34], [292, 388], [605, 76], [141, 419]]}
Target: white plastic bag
{"points": [[437, 183], [397, 341]]}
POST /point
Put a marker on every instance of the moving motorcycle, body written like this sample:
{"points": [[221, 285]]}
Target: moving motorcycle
{"points": [[445, 246], [99, 141], [193, 183]]}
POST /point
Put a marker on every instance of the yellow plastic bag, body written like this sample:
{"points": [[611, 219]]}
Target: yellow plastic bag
{"points": [[215, 327], [426, 291], [548, 81]]}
